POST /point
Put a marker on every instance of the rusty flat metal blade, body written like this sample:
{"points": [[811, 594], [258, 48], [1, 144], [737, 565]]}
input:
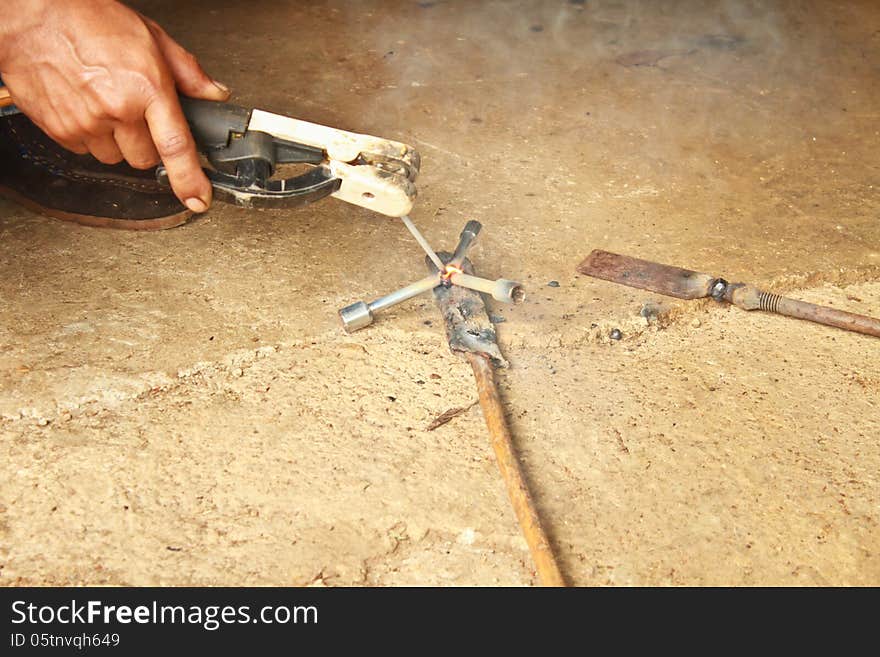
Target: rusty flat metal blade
{"points": [[647, 275]]}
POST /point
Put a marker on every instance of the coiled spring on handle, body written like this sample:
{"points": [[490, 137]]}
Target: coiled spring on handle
{"points": [[769, 302]]}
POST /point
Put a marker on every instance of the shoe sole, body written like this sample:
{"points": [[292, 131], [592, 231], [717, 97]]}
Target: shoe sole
{"points": [[159, 223]]}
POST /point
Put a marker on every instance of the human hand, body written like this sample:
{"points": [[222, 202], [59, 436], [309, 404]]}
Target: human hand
{"points": [[100, 78]]}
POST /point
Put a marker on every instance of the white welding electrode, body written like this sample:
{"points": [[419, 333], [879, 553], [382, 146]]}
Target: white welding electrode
{"points": [[423, 242]]}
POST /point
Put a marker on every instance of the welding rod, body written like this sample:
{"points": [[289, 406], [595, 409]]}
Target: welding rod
{"points": [[422, 242], [360, 314]]}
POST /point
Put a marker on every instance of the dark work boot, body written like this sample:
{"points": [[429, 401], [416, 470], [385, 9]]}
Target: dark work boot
{"points": [[42, 176]]}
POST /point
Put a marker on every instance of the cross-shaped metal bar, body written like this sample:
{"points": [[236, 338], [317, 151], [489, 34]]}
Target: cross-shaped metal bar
{"points": [[360, 314]]}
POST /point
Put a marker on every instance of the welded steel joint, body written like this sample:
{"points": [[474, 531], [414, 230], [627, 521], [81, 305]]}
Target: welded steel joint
{"points": [[719, 289], [360, 314]]}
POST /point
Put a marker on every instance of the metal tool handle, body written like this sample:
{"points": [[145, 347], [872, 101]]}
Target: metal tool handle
{"points": [[751, 298], [359, 314], [406, 293], [467, 237]]}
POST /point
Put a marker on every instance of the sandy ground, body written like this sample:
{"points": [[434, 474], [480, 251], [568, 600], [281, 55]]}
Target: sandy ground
{"points": [[183, 408]]}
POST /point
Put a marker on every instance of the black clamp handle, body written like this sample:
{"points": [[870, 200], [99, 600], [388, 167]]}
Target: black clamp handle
{"points": [[245, 160]]}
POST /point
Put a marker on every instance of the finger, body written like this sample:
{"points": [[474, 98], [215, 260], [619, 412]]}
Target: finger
{"points": [[104, 149], [176, 147], [136, 144], [189, 76]]}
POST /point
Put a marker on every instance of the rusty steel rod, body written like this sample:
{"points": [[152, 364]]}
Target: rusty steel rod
{"points": [[512, 474]]}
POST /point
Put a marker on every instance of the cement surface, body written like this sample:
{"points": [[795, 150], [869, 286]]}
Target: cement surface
{"points": [[182, 407]]}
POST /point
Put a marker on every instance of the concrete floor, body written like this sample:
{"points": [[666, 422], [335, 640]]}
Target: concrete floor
{"points": [[182, 407]]}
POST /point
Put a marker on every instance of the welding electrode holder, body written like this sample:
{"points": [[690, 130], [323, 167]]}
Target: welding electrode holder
{"points": [[245, 146]]}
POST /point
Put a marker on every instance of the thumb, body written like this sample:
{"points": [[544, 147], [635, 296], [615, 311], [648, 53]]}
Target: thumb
{"points": [[189, 77]]}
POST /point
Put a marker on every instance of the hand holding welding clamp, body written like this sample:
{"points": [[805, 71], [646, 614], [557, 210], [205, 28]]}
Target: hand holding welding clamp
{"points": [[245, 147]]}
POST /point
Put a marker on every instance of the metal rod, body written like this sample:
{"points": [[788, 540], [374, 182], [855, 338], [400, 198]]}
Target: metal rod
{"points": [[359, 314], [512, 474], [500, 290], [405, 293], [465, 240], [422, 242]]}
